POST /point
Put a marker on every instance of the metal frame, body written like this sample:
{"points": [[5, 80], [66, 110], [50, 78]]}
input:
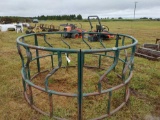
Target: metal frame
{"points": [[27, 78], [149, 51]]}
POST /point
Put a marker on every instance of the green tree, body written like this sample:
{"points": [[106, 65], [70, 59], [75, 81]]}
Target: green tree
{"points": [[79, 17], [120, 18]]}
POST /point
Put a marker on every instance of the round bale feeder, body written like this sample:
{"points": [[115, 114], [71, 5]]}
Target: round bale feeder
{"points": [[75, 78]]}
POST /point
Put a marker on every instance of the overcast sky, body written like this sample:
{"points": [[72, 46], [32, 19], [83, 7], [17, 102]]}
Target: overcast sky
{"points": [[102, 8]]}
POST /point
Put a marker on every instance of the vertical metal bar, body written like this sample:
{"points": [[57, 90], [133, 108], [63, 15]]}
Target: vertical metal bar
{"points": [[99, 87], [29, 58], [116, 45], [109, 102], [126, 58], [29, 75], [133, 49], [24, 84], [51, 105], [37, 53], [52, 61], [132, 57], [30, 95], [117, 40], [99, 63], [126, 92], [21, 56], [123, 40], [24, 77], [80, 82], [59, 59]]}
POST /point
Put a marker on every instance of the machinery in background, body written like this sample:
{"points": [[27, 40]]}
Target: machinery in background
{"points": [[102, 29], [149, 51], [49, 28], [41, 28], [33, 29], [72, 31]]}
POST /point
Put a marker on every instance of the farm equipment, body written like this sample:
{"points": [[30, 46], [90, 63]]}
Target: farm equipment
{"points": [[72, 31], [34, 29], [48, 28], [44, 27], [149, 51], [41, 28], [52, 28], [104, 30]]}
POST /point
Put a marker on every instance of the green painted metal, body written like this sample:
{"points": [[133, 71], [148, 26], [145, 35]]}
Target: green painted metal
{"points": [[47, 42], [28, 78], [99, 61], [51, 104], [37, 54], [80, 84], [69, 47], [86, 42], [109, 103]]}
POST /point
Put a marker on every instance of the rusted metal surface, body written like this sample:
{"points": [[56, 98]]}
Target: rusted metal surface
{"points": [[32, 54], [149, 51]]}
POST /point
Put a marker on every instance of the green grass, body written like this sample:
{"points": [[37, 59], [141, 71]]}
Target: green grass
{"points": [[145, 90]]}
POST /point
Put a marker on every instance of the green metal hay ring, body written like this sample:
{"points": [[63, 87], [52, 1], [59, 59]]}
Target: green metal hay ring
{"points": [[117, 59]]}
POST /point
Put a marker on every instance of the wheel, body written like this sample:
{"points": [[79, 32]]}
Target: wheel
{"points": [[27, 32], [75, 35]]}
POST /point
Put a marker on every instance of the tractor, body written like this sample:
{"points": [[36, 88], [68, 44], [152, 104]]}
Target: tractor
{"points": [[72, 31], [102, 29]]}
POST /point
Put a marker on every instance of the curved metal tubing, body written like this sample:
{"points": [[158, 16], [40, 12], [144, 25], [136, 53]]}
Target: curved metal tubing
{"points": [[28, 80]]}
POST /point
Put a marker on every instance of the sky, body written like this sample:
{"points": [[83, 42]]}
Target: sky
{"points": [[102, 8]]}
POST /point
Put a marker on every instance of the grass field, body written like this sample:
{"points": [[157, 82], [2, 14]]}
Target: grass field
{"points": [[145, 85]]}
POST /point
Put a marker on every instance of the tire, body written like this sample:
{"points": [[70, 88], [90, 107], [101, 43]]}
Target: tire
{"points": [[75, 35], [27, 32]]}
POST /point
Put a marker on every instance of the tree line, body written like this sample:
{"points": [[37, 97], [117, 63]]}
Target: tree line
{"points": [[12, 19], [60, 17]]}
